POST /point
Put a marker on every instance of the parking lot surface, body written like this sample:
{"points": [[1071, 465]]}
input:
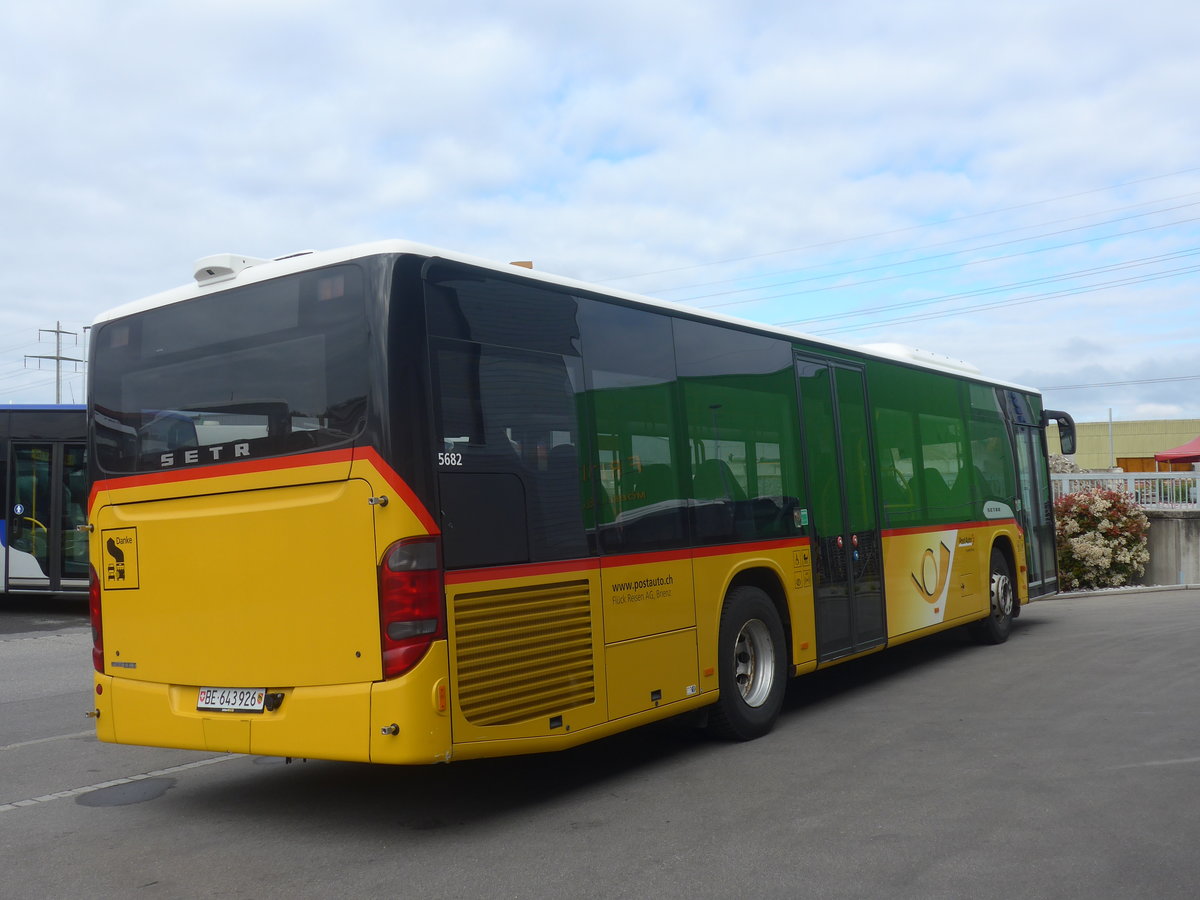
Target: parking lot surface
{"points": [[1065, 763]]}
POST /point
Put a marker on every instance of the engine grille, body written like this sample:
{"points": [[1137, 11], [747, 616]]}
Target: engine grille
{"points": [[523, 653]]}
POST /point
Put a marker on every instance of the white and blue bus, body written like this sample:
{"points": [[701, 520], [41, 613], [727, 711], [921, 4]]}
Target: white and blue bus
{"points": [[43, 489]]}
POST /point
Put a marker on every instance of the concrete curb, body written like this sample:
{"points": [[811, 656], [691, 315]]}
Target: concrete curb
{"points": [[1109, 592]]}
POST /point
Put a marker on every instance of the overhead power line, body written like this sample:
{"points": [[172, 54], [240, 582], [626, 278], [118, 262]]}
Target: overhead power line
{"points": [[900, 275], [996, 289], [1016, 301], [1100, 384], [947, 255], [27, 386], [907, 228]]}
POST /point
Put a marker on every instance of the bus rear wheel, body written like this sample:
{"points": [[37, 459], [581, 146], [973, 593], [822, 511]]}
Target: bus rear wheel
{"points": [[1002, 605], [751, 665]]}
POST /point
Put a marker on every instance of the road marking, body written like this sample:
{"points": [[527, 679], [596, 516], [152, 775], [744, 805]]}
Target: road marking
{"points": [[1191, 760], [75, 792], [46, 740]]}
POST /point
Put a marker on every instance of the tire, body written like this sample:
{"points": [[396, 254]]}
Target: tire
{"points": [[1002, 603], [751, 665]]}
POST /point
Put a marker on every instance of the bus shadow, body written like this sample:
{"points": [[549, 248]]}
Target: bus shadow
{"points": [[478, 794], [454, 798], [826, 685], [73, 607], [22, 613], [893, 664]]}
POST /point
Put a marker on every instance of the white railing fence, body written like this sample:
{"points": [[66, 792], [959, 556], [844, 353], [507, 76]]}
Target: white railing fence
{"points": [[1153, 490]]}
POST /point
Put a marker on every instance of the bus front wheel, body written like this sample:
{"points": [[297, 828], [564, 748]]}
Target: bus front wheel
{"points": [[752, 666], [1002, 604]]}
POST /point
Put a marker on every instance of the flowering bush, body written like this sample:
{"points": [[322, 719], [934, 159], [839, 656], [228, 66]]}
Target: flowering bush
{"points": [[1063, 465], [1101, 539]]}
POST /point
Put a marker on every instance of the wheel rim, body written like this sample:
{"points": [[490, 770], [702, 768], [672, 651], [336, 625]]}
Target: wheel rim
{"points": [[754, 662], [1002, 596]]}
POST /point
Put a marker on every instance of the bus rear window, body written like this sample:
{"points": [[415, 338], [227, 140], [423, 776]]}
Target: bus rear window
{"points": [[272, 368]]}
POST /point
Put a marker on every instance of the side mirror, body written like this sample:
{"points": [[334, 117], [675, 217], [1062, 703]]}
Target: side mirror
{"points": [[1066, 428]]}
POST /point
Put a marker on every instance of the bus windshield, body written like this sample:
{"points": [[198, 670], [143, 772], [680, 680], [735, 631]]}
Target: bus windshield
{"points": [[272, 368]]}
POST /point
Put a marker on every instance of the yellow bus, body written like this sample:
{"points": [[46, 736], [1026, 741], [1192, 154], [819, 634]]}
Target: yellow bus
{"points": [[400, 505]]}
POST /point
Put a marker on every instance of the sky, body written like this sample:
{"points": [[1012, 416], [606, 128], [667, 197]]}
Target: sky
{"points": [[1012, 184]]}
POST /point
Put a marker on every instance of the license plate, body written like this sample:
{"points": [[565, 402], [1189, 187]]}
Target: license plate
{"points": [[231, 699]]}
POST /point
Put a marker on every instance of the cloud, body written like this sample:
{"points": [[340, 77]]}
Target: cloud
{"points": [[718, 145], [1158, 411]]}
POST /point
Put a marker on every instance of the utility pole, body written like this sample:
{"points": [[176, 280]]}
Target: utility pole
{"points": [[58, 357]]}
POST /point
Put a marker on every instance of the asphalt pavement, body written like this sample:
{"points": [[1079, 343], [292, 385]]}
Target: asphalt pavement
{"points": [[1062, 764]]}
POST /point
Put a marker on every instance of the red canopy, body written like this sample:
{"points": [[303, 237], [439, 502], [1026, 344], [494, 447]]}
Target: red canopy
{"points": [[1189, 452]]}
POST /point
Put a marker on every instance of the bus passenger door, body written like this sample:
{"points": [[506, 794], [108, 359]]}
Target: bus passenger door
{"points": [[47, 498], [843, 508], [1036, 512]]}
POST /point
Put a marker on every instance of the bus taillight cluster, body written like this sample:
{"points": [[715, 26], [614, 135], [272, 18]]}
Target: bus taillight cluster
{"points": [[94, 609], [411, 603]]}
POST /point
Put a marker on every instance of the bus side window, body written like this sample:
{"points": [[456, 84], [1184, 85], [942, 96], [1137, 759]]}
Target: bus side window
{"points": [[510, 488], [897, 469], [743, 433], [943, 476], [991, 451], [642, 462]]}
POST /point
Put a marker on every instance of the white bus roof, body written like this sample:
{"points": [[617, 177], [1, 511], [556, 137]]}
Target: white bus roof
{"points": [[222, 271]]}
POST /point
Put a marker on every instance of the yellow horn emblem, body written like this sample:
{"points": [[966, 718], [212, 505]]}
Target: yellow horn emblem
{"points": [[931, 565]]}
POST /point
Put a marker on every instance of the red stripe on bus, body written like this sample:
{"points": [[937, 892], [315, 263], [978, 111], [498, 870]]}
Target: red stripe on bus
{"points": [[955, 526], [531, 570], [635, 559], [522, 570], [219, 470], [400, 486], [757, 547], [275, 464]]}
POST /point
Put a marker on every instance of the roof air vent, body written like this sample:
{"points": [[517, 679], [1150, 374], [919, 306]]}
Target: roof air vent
{"points": [[222, 267], [922, 357]]}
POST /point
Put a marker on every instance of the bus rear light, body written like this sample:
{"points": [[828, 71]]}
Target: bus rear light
{"points": [[94, 612], [399, 631], [412, 607]]}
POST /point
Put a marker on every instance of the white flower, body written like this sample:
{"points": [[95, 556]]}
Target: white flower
{"points": [[1101, 538]]}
